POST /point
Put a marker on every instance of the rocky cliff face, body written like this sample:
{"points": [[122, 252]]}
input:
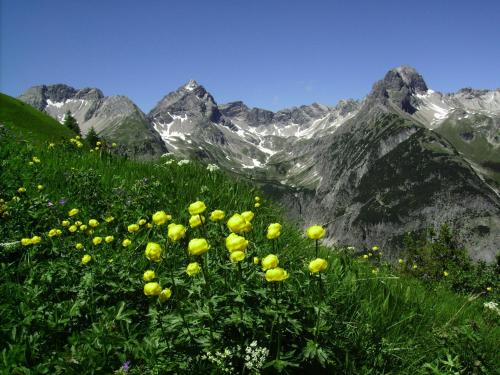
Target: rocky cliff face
{"points": [[115, 118]]}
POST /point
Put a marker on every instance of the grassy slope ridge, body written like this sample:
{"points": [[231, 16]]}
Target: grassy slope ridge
{"points": [[33, 124], [359, 318]]}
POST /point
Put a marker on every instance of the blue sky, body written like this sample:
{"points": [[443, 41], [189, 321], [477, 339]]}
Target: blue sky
{"points": [[268, 53]]}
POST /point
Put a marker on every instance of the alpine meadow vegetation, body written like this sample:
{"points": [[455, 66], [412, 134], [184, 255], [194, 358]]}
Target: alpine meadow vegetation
{"points": [[169, 267]]}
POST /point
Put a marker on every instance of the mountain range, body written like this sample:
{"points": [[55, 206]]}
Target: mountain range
{"points": [[402, 159]]}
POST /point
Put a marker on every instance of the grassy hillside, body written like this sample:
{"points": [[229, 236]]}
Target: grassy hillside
{"points": [[62, 312], [33, 124]]}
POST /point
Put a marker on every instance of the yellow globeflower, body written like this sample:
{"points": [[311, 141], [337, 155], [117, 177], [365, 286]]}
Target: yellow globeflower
{"points": [[273, 231], [236, 223], [257, 205], [133, 228], [237, 256], [176, 231], [21, 190], [217, 215], [270, 261], [197, 208], [489, 289], [247, 227], [276, 274], [142, 222], [149, 275], [256, 260], [165, 294], [126, 242], [365, 256], [315, 232], [446, 274], [93, 223], [318, 265], [248, 215], [39, 187], [36, 240], [198, 246], [26, 241], [79, 246], [55, 232], [161, 217], [65, 223], [257, 199], [415, 266], [73, 228], [196, 220], [109, 219], [152, 289], [83, 227], [109, 239], [375, 248], [236, 243], [96, 240], [153, 251], [193, 268], [401, 261], [98, 143], [73, 211], [86, 258], [78, 223]]}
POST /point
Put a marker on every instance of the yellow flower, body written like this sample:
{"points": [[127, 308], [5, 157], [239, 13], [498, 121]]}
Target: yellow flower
{"points": [[109, 219], [415, 266], [257, 205], [236, 243], [257, 199], [165, 294], [217, 215], [39, 187], [65, 223], [193, 268], [176, 231], [276, 274], [375, 270], [375, 248], [160, 218], [248, 215], [236, 223], [196, 220], [256, 260], [21, 190], [35, 159], [93, 223], [86, 258], [152, 289], [98, 143], [153, 251], [73, 211], [114, 145], [489, 289], [273, 231], [318, 265], [237, 256], [97, 240], [401, 261], [109, 239], [55, 232], [26, 241], [30, 163], [370, 254], [78, 223], [270, 261], [77, 137], [83, 227], [126, 242], [198, 246], [35, 240], [142, 222], [51, 145], [445, 273], [149, 275], [365, 256], [72, 228], [133, 228], [197, 208], [315, 232], [79, 246]]}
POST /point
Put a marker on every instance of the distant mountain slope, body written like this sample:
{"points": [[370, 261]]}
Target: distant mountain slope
{"points": [[115, 118], [33, 124]]}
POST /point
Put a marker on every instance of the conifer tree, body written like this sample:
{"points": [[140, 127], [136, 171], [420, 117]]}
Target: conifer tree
{"points": [[70, 122], [92, 137]]}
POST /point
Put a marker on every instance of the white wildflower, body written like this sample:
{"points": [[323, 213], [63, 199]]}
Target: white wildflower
{"points": [[212, 167], [182, 162]]}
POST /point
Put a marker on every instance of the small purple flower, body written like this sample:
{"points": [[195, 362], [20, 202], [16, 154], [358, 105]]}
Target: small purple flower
{"points": [[62, 201], [126, 366]]}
